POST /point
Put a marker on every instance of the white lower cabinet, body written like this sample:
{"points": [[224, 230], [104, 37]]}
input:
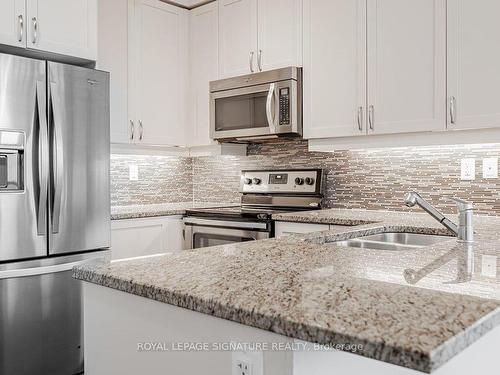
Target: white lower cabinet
{"points": [[145, 236], [285, 228]]}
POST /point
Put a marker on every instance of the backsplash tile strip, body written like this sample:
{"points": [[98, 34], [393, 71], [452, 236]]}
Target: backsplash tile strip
{"points": [[367, 179]]}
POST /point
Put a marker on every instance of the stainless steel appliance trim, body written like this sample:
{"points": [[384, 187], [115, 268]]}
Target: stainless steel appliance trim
{"points": [[276, 75], [224, 223], [21, 27], [43, 162], [261, 200], [58, 162], [12, 140], [35, 271], [269, 108]]}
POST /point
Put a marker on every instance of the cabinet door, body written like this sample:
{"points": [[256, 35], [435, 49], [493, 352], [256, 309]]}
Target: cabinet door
{"points": [[160, 39], [279, 33], [473, 64], [13, 23], [64, 27], [237, 37], [334, 68], [203, 69], [113, 58], [406, 65]]}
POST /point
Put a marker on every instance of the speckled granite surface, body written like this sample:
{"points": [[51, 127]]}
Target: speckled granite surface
{"points": [[414, 308], [161, 209]]}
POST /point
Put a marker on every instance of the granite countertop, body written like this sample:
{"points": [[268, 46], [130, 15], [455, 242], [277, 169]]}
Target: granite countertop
{"points": [[161, 209], [305, 287]]}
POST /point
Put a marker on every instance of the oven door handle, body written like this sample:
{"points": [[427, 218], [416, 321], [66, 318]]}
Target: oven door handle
{"points": [[226, 224], [271, 118]]}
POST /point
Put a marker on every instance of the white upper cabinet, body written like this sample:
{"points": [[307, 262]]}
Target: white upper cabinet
{"points": [[473, 64], [112, 56], [203, 24], [406, 65], [237, 37], [334, 68], [279, 33], [158, 83], [63, 27], [258, 35], [13, 23]]}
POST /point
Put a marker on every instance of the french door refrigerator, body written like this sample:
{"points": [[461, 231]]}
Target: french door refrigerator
{"points": [[54, 208]]}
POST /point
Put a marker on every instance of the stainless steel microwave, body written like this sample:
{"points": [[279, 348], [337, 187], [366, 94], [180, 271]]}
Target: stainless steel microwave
{"points": [[257, 106]]}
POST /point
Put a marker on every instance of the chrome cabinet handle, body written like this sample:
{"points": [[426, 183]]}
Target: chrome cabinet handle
{"points": [[259, 60], [21, 27], [132, 130], [250, 61], [360, 119], [452, 110], [141, 129], [35, 30], [371, 117]]}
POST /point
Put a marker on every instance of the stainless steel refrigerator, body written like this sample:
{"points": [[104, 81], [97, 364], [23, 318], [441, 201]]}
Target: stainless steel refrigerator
{"points": [[54, 208]]}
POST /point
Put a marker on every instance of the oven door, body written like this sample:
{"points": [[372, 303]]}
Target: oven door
{"points": [[200, 233], [261, 111]]}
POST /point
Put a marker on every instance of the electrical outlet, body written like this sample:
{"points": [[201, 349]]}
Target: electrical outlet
{"points": [[133, 172], [243, 368], [468, 169], [490, 168]]}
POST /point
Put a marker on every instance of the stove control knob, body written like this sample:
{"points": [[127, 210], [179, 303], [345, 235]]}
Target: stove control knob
{"points": [[248, 181], [256, 181], [299, 181], [309, 180]]}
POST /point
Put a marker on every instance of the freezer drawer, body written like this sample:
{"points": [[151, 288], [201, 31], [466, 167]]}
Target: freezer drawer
{"points": [[41, 326]]}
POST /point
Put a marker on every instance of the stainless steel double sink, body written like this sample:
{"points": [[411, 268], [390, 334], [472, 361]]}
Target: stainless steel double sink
{"points": [[393, 241]]}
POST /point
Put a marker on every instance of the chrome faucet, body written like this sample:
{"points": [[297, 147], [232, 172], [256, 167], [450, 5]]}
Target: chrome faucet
{"points": [[464, 230]]}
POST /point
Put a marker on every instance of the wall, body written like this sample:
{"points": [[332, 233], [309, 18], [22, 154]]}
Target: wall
{"points": [[368, 179], [162, 179], [371, 179]]}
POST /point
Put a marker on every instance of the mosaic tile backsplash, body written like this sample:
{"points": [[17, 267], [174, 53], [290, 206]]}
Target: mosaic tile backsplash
{"points": [[369, 179]]}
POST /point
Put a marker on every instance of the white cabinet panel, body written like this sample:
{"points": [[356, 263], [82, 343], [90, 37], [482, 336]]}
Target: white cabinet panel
{"points": [[13, 23], [62, 26], [145, 236], [279, 33], [237, 37], [203, 43], [473, 63], [334, 68], [159, 73], [407, 65], [283, 228], [113, 57]]}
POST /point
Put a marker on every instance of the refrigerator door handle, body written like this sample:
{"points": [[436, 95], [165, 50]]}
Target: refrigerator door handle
{"points": [[43, 162], [58, 160], [37, 271]]}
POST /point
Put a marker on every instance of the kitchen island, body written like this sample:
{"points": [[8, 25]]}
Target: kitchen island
{"points": [[297, 290]]}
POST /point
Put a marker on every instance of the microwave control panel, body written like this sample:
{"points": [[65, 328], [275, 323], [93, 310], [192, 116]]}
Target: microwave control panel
{"points": [[284, 106]]}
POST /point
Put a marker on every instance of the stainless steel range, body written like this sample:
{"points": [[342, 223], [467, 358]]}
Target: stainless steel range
{"points": [[263, 193]]}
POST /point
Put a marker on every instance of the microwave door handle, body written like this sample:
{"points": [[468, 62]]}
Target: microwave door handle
{"points": [[58, 161], [269, 109], [43, 162]]}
